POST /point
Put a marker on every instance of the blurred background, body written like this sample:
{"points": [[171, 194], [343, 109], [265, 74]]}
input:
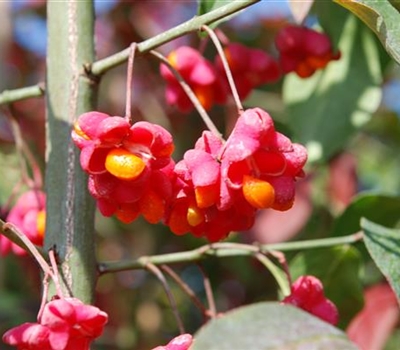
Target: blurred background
{"points": [[140, 314]]}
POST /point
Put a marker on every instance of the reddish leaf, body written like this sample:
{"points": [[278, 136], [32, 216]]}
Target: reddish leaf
{"points": [[342, 180], [375, 322]]}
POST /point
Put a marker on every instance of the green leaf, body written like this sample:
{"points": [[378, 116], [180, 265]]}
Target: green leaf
{"points": [[382, 17], [338, 269], [327, 108], [384, 246], [378, 208], [269, 326], [204, 6], [332, 19]]}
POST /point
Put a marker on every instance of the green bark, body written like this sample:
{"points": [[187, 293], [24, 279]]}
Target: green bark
{"points": [[69, 92]]}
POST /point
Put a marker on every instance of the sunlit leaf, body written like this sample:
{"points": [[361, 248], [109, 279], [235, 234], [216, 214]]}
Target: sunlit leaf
{"points": [[338, 268], [378, 208], [269, 326], [384, 246], [382, 17], [327, 108]]}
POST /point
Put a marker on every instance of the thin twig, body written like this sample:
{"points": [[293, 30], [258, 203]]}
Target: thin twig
{"points": [[158, 273], [282, 260], [14, 192], [224, 249], [283, 283], [209, 293], [185, 288], [100, 67], [25, 154], [44, 296], [37, 174], [191, 95], [10, 96], [129, 82], [19, 146], [16, 236], [55, 276], [221, 36], [225, 64]]}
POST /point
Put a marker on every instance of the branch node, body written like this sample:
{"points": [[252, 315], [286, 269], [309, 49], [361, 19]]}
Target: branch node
{"points": [[87, 73]]}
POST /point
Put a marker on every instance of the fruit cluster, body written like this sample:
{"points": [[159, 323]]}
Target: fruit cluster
{"points": [[250, 68], [307, 293], [215, 189], [301, 50], [64, 324], [128, 166]]}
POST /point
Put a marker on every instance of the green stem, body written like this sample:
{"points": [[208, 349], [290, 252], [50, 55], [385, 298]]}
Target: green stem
{"points": [[278, 273], [19, 238], [70, 208], [186, 289], [223, 250], [9, 96], [160, 276], [315, 243], [194, 24]]}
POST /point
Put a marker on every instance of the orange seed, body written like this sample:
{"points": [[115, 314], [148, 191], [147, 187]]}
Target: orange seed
{"points": [[259, 193], [123, 164], [41, 223], [194, 216]]}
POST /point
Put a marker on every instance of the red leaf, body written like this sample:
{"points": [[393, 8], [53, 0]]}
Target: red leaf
{"points": [[373, 325]]}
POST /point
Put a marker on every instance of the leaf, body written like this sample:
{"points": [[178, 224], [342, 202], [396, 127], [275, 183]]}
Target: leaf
{"points": [[300, 9], [327, 108], [380, 304], [396, 4], [204, 6], [378, 208], [382, 18], [384, 246], [269, 326], [338, 269]]}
